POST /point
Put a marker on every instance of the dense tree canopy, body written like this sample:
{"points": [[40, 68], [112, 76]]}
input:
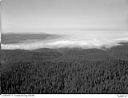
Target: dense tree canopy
{"points": [[67, 72]]}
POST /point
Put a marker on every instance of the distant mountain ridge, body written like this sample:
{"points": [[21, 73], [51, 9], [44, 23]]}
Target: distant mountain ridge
{"points": [[83, 39], [117, 52], [17, 38]]}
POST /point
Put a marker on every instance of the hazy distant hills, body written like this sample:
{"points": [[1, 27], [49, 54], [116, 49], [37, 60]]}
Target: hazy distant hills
{"points": [[66, 54], [120, 52], [13, 38], [83, 40], [117, 52]]}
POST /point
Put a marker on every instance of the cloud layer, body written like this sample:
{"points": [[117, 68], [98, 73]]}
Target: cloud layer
{"points": [[80, 40]]}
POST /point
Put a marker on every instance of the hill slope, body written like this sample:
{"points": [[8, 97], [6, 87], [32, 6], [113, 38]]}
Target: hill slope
{"points": [[65, 70]]}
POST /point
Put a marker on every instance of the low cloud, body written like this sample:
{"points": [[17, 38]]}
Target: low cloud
{"points": [[73, 40]]}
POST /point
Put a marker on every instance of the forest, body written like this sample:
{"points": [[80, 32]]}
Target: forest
{"points": [[67, 71]]}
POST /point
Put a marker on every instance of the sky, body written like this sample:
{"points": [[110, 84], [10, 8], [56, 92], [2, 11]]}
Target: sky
{"points": [[45, 15]]}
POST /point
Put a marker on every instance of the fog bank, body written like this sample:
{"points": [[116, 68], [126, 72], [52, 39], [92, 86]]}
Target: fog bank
{"points": [[83, 39]]}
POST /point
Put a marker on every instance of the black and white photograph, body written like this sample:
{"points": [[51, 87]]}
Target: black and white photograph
{"points": [[64, 47]]}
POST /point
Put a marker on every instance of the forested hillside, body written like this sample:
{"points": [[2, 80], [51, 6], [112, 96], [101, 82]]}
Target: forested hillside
{"points": [[65, 70]]}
